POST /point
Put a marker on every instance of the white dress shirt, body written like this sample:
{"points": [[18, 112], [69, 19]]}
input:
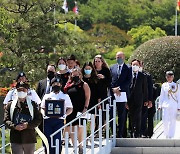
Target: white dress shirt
{"points": [[58, 96]]}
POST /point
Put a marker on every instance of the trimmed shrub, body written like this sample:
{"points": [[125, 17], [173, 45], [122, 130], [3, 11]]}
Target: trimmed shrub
{"points": [[160, 55]]}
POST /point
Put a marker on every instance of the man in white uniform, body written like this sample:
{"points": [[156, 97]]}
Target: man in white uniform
{"points": [[12, 94], [170, 103]]}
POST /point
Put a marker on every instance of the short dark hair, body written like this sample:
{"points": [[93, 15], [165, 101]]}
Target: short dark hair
{"points": [[136, 60], [71, 57]]}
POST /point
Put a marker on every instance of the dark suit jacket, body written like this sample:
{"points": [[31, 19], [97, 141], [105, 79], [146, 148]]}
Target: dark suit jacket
{"points": [[139, 93], [124, 79], [41, 88], [150, 86]]}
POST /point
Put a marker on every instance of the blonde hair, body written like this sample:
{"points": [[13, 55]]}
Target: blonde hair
{"points": [[79, 72]]}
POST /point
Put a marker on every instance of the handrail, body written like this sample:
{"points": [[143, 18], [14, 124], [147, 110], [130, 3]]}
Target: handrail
{"points": [[79, 117], [107, 147], [3, 142], [2, 125]]}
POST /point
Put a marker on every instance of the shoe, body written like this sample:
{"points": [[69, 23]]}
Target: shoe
{"points": [[80, 150]]}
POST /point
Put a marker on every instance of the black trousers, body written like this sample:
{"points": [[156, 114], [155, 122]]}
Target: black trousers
{"points": [[121, 112], [135, 113], [144, 120], [151, 113]]}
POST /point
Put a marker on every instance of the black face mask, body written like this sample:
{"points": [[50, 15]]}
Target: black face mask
{"points": [[76, 79], [56, 88], [50, 75]]}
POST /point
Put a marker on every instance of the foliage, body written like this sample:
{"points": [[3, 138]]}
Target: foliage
{"points": [[144, 33], [31, 37], [160, 55], [127, 14], [110, 56], [105, 37]]}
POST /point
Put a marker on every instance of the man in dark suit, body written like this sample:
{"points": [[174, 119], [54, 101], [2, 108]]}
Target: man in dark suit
{"points": [[138, 95], [121, 80], [147, 105], [152, 110], [43, 86]]}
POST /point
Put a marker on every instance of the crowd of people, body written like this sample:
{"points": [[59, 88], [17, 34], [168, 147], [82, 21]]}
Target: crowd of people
{"points": [[81, 87]]}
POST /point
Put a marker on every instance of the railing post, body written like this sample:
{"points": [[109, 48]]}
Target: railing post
{"points": [[92, 133], [100, 130], [66, 142], [84, 136], [57, 146], [3, 139], [114, 123], [107, 124], [75, 139]]}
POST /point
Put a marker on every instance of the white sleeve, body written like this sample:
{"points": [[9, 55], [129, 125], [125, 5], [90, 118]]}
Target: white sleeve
{"points": [[178, 96], [68, 102], [8, 97], [43, 101], [35, 97], [161, 97]]}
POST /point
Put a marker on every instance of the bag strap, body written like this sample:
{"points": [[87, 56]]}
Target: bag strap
{"points": [[13, 104]]}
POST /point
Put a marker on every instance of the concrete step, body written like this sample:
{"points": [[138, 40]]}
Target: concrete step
{"points": [[145, 150], [141, 142]]}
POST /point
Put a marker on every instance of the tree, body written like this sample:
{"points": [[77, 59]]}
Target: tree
{"points": [[30, 35], [160, 55], [105, 37], [144, 33]]}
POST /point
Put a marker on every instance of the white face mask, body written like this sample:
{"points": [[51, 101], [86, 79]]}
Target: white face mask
{"points": [[135, 68], [22, 94], [140, 69], [62, 67]]}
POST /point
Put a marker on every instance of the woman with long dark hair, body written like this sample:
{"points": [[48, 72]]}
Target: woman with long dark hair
{"points": [[91, 78]]}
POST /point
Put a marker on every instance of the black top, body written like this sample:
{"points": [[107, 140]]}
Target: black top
{"points": [[77, 96], [104, 83], [95, 92]]}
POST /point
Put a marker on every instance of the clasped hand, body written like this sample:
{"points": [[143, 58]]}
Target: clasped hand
{"points": [[21, 127], [117, 91]]}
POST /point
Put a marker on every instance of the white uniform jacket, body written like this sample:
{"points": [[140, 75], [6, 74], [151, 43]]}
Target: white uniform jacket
{"points": [[12, 94], [170, 95]]}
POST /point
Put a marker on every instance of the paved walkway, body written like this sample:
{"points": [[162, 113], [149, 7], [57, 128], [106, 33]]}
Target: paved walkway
{"points": [[159, 132]]}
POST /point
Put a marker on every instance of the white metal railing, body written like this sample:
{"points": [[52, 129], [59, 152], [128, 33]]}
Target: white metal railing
{"points": [[158, 114], [3, 138], [110, 142], [157, 120]]}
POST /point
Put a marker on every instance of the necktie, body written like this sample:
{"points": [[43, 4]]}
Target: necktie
{"points": [[134, 81], [119, 71], [48, 89]]}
